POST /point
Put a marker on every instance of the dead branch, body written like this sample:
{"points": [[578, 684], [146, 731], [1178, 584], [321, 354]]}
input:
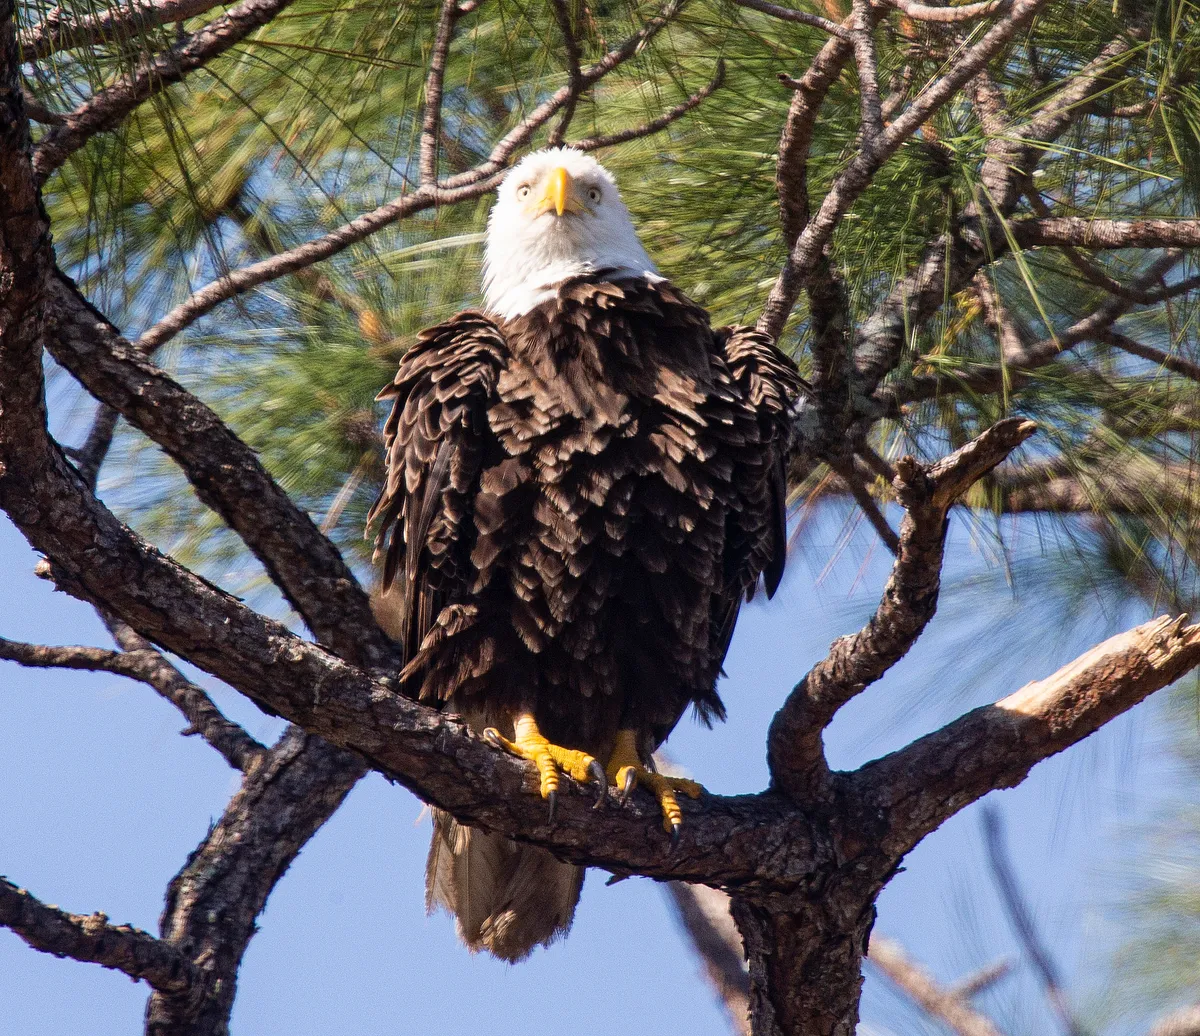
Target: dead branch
{"points": [[91, 939], [108, 107], [57, 32], [927, 493], [474, 183], [995, 746], [787, 14], [952, 1009]]}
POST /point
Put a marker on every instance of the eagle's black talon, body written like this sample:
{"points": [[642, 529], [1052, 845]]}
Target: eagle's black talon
{"points": [[552, 799], [675, 829], [596, 771], [492, 736], [627, 787]]}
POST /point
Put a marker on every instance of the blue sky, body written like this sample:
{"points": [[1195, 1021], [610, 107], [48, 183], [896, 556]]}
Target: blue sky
{"points": [[103, 800]]}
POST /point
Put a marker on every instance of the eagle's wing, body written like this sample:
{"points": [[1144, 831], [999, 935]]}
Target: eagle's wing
{"points": [[756, 537], [435, 441]]}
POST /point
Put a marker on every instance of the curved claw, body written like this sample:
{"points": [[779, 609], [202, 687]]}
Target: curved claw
{"points": [[596, 772], [627, 786], [675, 829], [492, 736], [552, 799]]}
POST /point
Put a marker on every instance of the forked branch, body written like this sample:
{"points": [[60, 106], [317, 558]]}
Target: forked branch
{"points": [[909, 602]]}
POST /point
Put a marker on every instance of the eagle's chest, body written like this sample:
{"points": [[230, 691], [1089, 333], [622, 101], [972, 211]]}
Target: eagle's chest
{"points": [[605, 504]]}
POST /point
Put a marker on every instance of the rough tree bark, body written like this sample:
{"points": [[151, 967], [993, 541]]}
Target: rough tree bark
{"points": [[804, 860]]}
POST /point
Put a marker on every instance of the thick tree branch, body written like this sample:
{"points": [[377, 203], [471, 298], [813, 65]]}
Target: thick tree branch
{"points": [[945, 1005], [91, 939], [995, 746], [1106, 233], [474, 183], [108, 107], [909, 601], [227, 476]]}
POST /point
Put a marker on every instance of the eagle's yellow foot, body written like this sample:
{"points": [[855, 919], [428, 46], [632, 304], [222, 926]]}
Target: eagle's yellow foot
{"points": [[528, 743], [626, 771]]}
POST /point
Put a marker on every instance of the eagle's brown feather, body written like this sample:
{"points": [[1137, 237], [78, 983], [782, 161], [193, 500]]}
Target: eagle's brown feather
{"points": [[578, 499]]}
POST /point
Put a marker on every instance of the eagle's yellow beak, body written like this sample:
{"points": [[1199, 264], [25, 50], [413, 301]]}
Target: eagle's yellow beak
{"points": [[559, 194]]}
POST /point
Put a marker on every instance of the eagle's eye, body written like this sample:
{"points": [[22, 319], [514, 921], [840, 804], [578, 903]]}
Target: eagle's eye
{"points": [[594, 194], [523, 191]]}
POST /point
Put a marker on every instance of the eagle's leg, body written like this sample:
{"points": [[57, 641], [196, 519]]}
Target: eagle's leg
{"points": [[626, 771], [528, 743]]}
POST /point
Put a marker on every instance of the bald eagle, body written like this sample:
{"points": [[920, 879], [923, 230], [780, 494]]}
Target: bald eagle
{"points": [[584, 482]]}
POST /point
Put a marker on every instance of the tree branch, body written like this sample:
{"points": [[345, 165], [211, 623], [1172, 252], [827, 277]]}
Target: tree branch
{"points": [[799, 17], [91, 939], [1168, 361], [1106, 233], [909, 601], [105, 109], [952, 1009], [574, 79], [56, 32], [945, 15], [995, 746], [139, 661], [434, 85], [474, 183]]}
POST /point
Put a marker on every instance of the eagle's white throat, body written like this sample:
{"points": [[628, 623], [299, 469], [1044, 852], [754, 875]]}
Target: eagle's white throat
{"points": [[558, 214]]}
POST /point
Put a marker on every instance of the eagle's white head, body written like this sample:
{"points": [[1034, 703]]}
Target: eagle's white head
{"points": [[558, 214]]}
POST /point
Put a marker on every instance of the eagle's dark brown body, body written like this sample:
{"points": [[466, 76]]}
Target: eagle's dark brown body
{"points": [[583, 496]]}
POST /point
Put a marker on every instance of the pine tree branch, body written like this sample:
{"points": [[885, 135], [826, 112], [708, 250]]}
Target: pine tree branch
{"points": [[434, 87], [474, 183], [574, 77], [794, 745], [1106, 233], [945, 15], [704, 914], [1168, 361], [851, 183], [787, 14], [120, 24], [107, 108], [91, 939]]}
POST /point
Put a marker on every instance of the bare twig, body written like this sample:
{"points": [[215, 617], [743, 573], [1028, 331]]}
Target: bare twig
{"points": [[472, 184], [139, 661], [1168, 361], [944, 1004], [105, 109], [1022, 921], [574, 80], [90, 938], [434, 86], [909, 601]]}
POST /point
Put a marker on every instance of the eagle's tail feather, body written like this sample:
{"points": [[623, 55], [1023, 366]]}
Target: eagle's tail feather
{"points": [[507, 897]]}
